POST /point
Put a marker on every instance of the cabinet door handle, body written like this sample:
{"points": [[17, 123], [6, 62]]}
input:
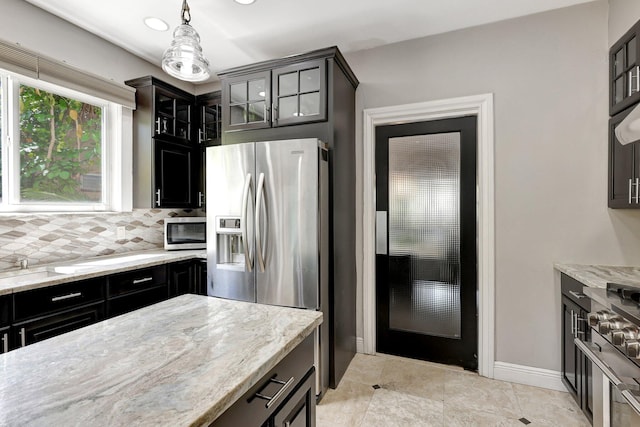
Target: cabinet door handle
{"points": [[637, 196], [158, 125], [64, 297], [578, 295], [201, 136], [630, 185], [200, 198], [633, 77], [272, 400], [138, 281], [23, 337], [5, 343], [158, 197]]}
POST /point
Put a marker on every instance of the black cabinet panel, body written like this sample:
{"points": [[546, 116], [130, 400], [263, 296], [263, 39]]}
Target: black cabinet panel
{"points": [[5, 339], [133, 301], [174, 176], [41, 301], [181, 278], [136, 281], [5, 310], [300, 408], [31, 331], [576, 367], [624, 169]]}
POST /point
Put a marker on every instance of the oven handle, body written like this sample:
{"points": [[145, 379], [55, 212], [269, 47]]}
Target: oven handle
{"points": [[613, 378]]}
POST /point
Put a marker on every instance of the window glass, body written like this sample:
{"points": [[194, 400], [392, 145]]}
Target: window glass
{"points": [[60, 148]]}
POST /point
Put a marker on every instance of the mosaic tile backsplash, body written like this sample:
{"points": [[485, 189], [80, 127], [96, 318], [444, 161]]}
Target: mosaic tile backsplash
{"points": [[43, 239]]}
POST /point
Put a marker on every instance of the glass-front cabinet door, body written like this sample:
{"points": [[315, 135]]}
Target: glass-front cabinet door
{"points": [[624, 71], [247, 102], [172, 116], [300, 93]]}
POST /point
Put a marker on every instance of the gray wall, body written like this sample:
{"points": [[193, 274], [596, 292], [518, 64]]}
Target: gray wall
{"points": [[548, 74], [622, 15], [48, 35]]}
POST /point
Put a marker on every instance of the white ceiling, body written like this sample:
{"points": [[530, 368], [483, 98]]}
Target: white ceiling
{"points": [[233, 34]]}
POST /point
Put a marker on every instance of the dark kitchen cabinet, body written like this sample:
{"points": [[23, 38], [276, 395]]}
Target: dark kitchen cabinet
{"points": [[175, 175], [136, 289], [183, 278], [624, 71], [41, 328], [321, 86], [209, 108], [624, 169], [5, 339], [5, 310], [43, 313], [209, 133], [285, 396], [200, 276], [577, 372], [164, 163], [290, 94]]}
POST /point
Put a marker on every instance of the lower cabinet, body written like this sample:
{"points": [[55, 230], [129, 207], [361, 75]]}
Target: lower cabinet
{"points": [[285, 396], [136, 289], [576, 367], [5, 339], [30, 316], [31, 331], [300, 409]]}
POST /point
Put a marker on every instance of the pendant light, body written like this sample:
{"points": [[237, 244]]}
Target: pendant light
{"points": [[184, 59]]}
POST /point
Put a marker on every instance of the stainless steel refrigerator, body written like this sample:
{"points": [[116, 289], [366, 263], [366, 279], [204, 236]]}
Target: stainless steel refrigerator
{"points": [[267, 229]]}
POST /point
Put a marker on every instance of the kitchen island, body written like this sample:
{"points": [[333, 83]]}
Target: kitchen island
{"points": [[181, 362]]}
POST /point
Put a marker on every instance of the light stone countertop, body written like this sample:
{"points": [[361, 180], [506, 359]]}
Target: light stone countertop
{"points": [[47, 275], [181, 362], [597, 276]]}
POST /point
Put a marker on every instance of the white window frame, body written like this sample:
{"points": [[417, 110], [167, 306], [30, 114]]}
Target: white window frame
{"points": [[116, 160]]}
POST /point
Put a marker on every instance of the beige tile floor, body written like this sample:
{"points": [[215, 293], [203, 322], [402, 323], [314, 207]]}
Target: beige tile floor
{"points": [[416, 393]]}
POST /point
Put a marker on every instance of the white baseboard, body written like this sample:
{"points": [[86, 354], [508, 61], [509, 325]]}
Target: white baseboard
{"points": [[359, 345], [527, 375]]}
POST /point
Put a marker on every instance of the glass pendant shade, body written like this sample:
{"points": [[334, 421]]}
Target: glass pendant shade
{"points": [[184, 59]]}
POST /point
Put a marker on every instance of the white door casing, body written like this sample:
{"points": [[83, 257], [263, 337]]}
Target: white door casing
{"points": [[482, 107]]}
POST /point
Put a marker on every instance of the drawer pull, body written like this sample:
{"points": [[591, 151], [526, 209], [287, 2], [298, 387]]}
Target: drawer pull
{"points": [[577, 295], [23, 337], [271, 400], [138, 281], [64, 297], [5, 343]]}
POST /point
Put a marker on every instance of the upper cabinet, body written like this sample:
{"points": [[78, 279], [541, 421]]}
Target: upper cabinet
{"points": [[624, 71], [165, 158], [282, 92], [624, 168], [209, 111]]}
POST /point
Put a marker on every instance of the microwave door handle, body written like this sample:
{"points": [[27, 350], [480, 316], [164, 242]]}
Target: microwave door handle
{"points": [[243, 221], [259, 204]]}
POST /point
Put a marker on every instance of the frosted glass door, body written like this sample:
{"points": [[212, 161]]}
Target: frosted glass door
{"points": [[424, 234], [426, 243]]}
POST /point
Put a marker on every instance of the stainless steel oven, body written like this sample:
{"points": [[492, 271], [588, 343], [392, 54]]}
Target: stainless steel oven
{"points": [[613, 347]]}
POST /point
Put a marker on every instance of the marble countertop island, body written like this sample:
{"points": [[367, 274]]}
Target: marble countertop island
{"points": [[181, 362], [597, 276]]}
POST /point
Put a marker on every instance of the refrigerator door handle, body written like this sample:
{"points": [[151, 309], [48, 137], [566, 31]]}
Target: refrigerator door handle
{"points": [[259, 204], [246, 194]]}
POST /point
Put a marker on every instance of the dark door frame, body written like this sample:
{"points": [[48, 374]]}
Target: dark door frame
{"points": [[482, 107]]}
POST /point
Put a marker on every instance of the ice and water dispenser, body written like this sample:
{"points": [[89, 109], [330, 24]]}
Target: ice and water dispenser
{"points": [[229, 244]]}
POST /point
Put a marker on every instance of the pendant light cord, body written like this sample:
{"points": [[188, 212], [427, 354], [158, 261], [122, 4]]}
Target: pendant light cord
{"points": [[186, 14]]}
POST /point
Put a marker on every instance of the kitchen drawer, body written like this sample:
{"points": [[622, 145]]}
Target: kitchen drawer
{"points": [[250, 410], [133, 301], [38, 302], [136, 281], [573, 289], [5, 310], [31, 331]]}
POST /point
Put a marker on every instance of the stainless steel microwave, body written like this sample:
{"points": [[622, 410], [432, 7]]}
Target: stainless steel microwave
{"points": [[185, 233]]}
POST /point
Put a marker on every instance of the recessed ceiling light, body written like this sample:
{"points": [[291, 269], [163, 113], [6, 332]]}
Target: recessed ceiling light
{"points": [[156, 24], [245, 1]]}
